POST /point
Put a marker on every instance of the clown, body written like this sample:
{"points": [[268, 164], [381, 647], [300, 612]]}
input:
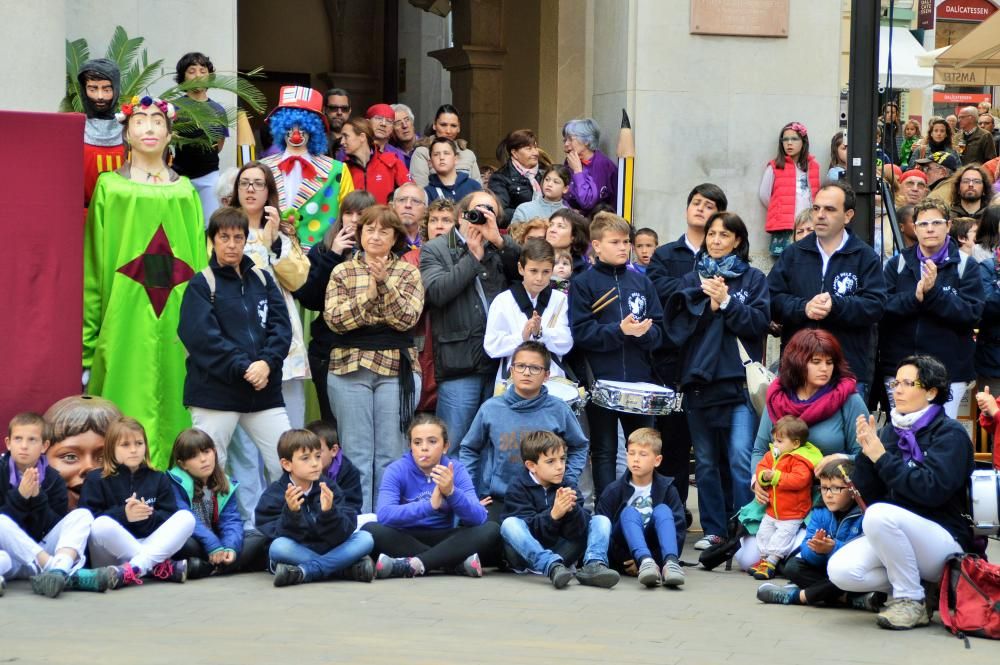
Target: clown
{"points": [[144, 240], [310, 184], [100, 85]]}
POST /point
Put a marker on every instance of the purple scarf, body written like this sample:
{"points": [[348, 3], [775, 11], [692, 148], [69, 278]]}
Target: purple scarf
{"points": [[335, 465], [908, 437], [939, 257], [15, 477]]}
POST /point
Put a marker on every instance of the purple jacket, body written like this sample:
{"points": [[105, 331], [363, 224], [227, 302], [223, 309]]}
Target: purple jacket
{"points": [[404, 498], [597, 183]]}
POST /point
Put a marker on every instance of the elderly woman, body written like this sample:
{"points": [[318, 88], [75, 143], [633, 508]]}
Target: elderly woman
{"points": [[595, 176], [935, 301], [914, 475], [448, 125], [375, 171], [720, 306], [372, 303], [816, 385], [519, 179]]}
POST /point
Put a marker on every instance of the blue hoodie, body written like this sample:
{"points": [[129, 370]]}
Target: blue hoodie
{"points": [[843, 530], [463, 185], [226, 530], [404, 498], [612, 354], [495, 438]]}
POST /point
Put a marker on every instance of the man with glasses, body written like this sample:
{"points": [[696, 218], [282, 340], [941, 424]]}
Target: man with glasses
{"points": [[338, 110], [404, 131], [988, 124], [938, 166], [974, 144], [382, 117], [491, 450], [410, 203], [971, 192]]}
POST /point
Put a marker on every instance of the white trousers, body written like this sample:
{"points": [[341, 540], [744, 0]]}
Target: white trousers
{"points": [[950, 407], [749, 554], [776, 538], [205, 185], [898, 550], [22, 551], [112, 545]]}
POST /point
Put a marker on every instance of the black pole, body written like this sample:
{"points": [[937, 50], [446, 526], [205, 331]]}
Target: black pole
{"points": [[861, 113]]}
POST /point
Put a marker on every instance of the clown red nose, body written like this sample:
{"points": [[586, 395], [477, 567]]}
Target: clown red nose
{"points": [[296, 136]]}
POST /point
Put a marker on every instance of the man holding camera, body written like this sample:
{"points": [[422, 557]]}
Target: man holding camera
{"points": [[463, 271]]}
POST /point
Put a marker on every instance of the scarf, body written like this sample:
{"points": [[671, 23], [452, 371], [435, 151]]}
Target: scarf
{"points": [[523, 300], [821, 406], [288, 163], [338, 461], [531, 174], [15, 477], [939, 257], [907, 425], [729, 266]]}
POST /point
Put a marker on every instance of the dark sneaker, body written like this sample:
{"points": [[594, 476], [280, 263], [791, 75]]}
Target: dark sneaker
{"points": [[126, 575], [3, 585], [597, 574], [780, 595], [471, 567], [171, 571], [363, 570], [386, 567], [49, 584], [288, 575], [559, 575], [903, 614], [198, 568], [649, 573], [672, 573], [688, 517], [868, 602], [93, 579]]}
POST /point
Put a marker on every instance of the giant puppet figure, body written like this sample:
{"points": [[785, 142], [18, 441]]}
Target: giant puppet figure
{"points": [[310, 184], [100, 85], [144, 240]]}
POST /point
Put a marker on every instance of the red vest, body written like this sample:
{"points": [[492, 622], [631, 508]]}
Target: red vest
{"points": [[781, 209]]}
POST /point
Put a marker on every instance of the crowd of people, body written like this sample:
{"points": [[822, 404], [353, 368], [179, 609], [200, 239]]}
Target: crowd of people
{"points": [[452, 327]]}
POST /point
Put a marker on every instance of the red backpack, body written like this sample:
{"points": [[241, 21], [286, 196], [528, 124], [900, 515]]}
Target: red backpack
{"points": [[970, 597]]}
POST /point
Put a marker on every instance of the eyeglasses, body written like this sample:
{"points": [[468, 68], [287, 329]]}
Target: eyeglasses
{"points": [[255, 184], [905, 382], [835, 490], [334, 108], [977, 181], [382, 120], [791, 139], [402, 122], [530, 370], [928, 223], [410, 200]]}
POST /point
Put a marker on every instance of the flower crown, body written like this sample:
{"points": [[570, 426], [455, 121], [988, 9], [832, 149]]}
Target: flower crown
{"points": [[797, 127], [168, 109]]}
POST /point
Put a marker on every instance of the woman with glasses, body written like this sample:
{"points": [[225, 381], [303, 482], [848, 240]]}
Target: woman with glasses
{"points": [[816, 385], [519, 180], [789, 185], [914, 476], [448, 125], [935, 299], [374, 171]]}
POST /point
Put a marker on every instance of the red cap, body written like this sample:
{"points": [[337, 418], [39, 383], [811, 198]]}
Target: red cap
{"points": [[896, 171], [300, 97], [383, 110], [913, 173]]}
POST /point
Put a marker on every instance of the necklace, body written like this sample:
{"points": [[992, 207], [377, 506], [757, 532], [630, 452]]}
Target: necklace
{"points": [[151, 176]]}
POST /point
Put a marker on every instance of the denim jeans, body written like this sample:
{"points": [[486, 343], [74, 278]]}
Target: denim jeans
{"points": [[660, 533], [321, 566], [366, 405], [523, 550], [722, 436], [457, 404], [604, 445]]}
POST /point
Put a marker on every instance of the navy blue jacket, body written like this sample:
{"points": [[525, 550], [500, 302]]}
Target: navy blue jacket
{"points": [[349, 481], [668, 265], [463, 185], [36, 516], [612, 354], [106, 496], [937, 489], [616, 496], [942, 324], [309, 525], [532, 503], [707, 338], [988, 339], [312, 295], [855, 283], [247, 322]]}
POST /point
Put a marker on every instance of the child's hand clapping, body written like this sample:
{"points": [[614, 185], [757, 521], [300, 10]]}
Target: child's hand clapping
{"points": [[565, 502], [136, 510], [325, 497], [29, 486], [294, 497], [821, 542]]}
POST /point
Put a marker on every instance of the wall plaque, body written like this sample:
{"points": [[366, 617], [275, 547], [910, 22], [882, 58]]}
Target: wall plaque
{"points": [[741, 18]]}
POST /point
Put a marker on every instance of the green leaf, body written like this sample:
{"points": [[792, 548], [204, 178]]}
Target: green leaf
{"points": [[122, 50], [77, 53]]}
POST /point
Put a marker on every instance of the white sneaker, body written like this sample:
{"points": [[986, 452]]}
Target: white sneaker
{"points": [[707, 541], [672, 573]]}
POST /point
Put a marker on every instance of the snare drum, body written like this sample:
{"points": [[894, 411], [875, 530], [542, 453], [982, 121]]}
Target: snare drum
{"points": [[984, 492], [574, 395], [642, 398]]}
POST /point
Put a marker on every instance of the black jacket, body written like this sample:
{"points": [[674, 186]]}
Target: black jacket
{"points": [[855, 283], [988, 339], [669, 264], [309, 526], [512, 189], [247, 322], [312, 295], [616, 496], [36, 516], [106, 496], [532, 503], [458, 313], [937, 489]]}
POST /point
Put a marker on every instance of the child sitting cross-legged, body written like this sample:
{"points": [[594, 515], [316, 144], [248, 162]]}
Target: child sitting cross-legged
{"points": [[787, 470], [832, 525], [307, 518], [546, 528], [647, 514]]}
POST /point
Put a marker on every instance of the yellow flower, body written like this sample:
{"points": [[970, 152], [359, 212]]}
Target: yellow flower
{"points": [[135, 99]]}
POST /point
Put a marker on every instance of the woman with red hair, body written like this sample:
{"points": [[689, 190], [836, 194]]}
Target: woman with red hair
{"points": [[816, 385]]}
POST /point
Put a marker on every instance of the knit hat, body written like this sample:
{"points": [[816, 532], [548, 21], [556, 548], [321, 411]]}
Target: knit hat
{"points": [[383, 110], [942, 158], [913, 173]]}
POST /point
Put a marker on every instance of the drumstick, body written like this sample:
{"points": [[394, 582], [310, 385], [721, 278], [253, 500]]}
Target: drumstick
{"points": [[555, 315], [606, 303], [600, 300], [852, 489]]}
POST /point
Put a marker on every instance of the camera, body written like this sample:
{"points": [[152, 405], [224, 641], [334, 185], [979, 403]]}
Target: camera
{"points": [[476, 216]]}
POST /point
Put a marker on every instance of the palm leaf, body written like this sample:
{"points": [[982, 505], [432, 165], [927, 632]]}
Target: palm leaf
{"points": [[140, 76], [77, 53], [122, 50], [235, 84]]}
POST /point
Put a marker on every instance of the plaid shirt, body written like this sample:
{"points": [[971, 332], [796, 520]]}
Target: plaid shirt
{"points": [[398, 304]]}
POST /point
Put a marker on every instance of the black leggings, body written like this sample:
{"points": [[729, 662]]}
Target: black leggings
{"points": [[676, 462], [438, 549], [812, 580]]}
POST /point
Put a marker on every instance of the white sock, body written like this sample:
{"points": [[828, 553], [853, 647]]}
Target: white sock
{"points": [[60, 562]]}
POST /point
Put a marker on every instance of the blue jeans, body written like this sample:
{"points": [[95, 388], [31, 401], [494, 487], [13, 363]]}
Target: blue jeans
{"points": [[722, 436], [321, 566], [458, 402], [522, 549], [660, 533]]}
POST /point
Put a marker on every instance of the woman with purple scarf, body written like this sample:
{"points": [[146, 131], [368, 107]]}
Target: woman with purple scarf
{"points": [[935, 301], [595, 175], [914, 476]]}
